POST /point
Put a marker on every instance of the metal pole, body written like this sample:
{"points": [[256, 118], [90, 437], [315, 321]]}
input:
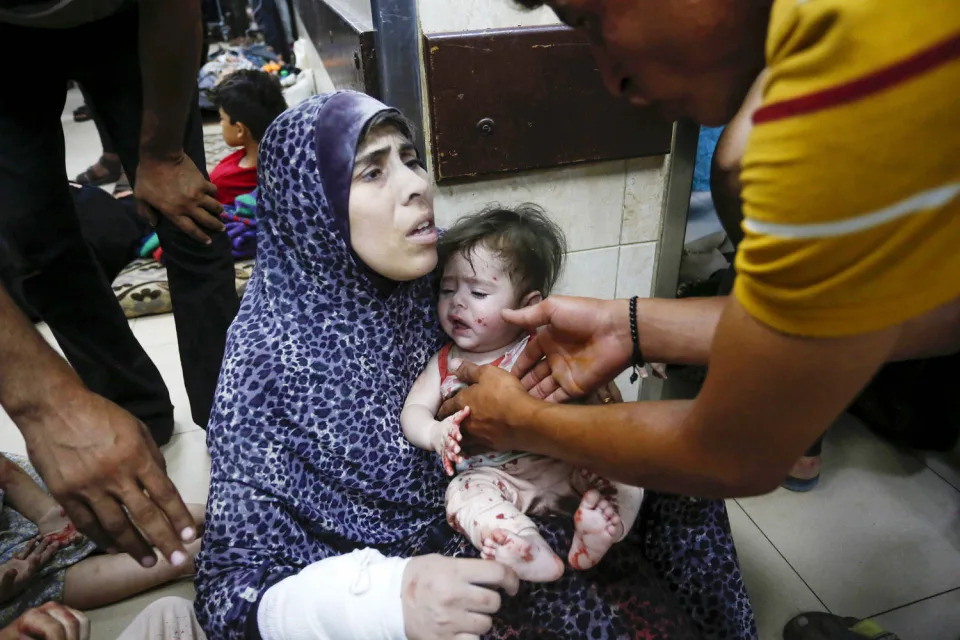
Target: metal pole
{"points": [[397, 38]]}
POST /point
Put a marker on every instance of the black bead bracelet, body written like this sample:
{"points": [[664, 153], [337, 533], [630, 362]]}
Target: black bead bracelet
{"points": [[636, 360]]}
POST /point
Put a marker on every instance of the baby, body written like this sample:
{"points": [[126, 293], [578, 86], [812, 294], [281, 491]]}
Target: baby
{"points": [[506, 259]]}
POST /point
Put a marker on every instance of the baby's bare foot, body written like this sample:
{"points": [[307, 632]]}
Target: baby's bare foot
{"points": [[596, 527], [529, 555], [57, 527]]}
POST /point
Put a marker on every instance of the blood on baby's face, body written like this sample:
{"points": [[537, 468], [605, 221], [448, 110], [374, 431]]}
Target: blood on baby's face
{"points": [[473, 291]]}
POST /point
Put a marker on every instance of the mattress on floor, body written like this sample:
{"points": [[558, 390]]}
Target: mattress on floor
{"points": [[142, 287]]}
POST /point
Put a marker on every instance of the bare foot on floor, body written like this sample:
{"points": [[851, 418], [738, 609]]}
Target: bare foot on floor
{"points": [[529, 555], [596, 527]]}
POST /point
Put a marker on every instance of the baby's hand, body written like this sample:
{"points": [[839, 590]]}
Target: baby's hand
{"points": [[447, 438], [17, 572]]}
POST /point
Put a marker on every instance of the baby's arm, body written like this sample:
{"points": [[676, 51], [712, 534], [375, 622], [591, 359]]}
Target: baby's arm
{"points": [[22, 493], [418, 420]]}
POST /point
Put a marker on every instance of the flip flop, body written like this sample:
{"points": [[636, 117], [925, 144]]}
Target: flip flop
{"points": [[800, 485], [92, 177], [817, 625]]}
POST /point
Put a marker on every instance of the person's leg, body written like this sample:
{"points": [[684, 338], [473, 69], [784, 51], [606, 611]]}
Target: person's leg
{"points": [[169, 618], [107, 167], [202, 278], [100, 580], [61, 280], [268, 18], [482, 504], [606, 513]]}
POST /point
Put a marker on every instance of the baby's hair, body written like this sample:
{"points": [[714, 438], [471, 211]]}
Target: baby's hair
{"points": [[251, 97], [530, 244]]}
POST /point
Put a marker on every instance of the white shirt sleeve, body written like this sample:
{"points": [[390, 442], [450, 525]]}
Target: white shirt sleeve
{"points": [[353, 596]]}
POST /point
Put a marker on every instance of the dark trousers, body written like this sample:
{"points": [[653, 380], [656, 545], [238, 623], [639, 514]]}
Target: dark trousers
{"points": [[60, 278]]}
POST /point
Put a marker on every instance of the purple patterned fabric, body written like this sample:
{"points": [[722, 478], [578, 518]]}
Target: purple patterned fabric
{"points": [[308, 457]]}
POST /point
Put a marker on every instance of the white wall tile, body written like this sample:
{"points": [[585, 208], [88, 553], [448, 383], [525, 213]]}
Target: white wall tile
{"points": [[586, 200], [635, 270], [589, 273], [643, 198], [934, 619], [469, 15]]}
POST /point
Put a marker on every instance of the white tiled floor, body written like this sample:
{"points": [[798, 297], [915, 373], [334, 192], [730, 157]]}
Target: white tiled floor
{"points": [[880, 536]]}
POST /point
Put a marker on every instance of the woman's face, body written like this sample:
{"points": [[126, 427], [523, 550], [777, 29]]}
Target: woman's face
{"points": [[391, 207]]}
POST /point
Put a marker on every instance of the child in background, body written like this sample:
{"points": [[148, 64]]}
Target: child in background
{"points": [[43, 557], [249, 100], [497, 259]]}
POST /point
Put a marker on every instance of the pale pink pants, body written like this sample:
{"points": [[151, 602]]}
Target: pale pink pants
{"points": [[169, 618], [483, 499]]}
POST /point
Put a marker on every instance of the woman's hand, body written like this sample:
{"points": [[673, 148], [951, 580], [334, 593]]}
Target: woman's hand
{"points": [[494, 396], [18, 572], [584, 343], [453, 598], [50, 621]]}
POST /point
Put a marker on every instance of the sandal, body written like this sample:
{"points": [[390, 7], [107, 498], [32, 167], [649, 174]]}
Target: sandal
{"points": [[94, 174], [816, 625], [122, 189], [82, 113]]}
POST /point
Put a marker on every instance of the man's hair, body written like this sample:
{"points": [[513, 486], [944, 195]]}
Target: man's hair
{"points": [[530, 244], [250, 97], [529, 4]]}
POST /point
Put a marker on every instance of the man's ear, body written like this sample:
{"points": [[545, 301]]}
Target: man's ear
{"points": [[530, 299]]}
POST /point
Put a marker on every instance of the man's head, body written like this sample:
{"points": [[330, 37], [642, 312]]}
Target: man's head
{"points": [[690, 58], [249, 100]]}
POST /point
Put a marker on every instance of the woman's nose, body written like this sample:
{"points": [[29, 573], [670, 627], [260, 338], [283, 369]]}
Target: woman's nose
{"points": [[415, 184]]}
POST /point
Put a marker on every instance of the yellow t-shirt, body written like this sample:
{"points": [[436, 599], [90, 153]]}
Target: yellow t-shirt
{"points": [[851, 175]]}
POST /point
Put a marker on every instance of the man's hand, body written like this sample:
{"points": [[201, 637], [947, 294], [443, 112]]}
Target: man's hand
{"points": [[453, 598], [177, 189], [494, 397], [101, 465], [584, 343], [50, 621], [18, 572]]}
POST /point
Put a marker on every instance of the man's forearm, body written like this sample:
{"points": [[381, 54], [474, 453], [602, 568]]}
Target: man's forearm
{"points": [[32, 375], [170, 41]]}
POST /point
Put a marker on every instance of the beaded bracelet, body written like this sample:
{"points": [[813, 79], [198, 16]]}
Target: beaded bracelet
{"points": [[636, 360]]}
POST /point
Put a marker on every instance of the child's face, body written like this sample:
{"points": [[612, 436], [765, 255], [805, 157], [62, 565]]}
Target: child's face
{"points": [[471, 298], [231, 130]]}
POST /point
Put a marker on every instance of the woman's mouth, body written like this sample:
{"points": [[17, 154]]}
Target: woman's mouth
{"points": [[425, 232]]}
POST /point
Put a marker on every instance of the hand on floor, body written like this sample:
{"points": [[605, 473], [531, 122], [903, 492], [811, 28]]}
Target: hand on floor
{"points": [[18, 572], [50, 621]]}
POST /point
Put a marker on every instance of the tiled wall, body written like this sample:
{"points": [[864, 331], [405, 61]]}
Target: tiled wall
{"points": [[610, 212]]}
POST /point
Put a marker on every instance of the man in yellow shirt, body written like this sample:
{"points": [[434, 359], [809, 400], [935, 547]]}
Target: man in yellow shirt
{"points": [[851, 255]]}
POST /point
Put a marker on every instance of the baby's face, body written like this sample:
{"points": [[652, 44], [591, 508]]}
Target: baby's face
{"points": [[471, 298]]}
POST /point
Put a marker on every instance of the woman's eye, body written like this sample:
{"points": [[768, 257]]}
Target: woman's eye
{"points": [[414, 163], [445, 292], [371, 175]]}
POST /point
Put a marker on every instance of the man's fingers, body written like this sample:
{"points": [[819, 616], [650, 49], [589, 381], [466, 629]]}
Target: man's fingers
{"points": [[206, 220], [8, 579], [468, 372], [448, 408], [540, 373], [545, 389], [154, 526], [163, 492], [187, 225], [86, 522], [121, 532], [210, 189], [212, 205], [528, 360], [530, 317], [147, 212], [558, 396]]}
